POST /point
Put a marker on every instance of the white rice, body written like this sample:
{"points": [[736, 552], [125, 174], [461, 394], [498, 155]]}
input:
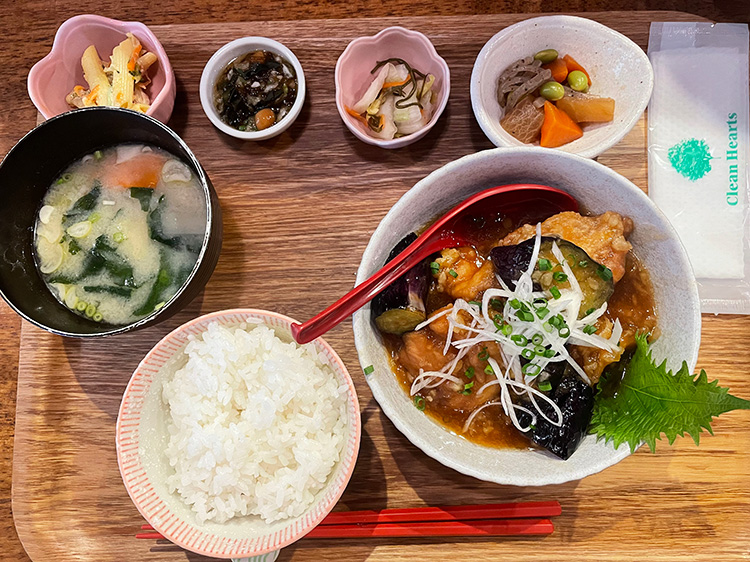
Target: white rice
{"points": [[256, 425]]}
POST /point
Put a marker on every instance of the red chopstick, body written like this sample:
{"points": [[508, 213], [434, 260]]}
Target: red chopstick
{"points": [[455, 520], [486, 527]]}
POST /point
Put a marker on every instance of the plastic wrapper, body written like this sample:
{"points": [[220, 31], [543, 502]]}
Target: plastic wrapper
{"points": [[698, 150]]}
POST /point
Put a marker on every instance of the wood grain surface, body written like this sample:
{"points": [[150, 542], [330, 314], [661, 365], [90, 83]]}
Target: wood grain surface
{"points": [[298, 211]]}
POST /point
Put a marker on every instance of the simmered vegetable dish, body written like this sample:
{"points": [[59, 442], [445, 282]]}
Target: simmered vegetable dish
{"points": [[503, 342]]}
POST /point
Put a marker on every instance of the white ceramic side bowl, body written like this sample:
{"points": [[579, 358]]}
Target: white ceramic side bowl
{"points": [[618, 67], [597, 189], [353, 76], [227, 54], [141, 438]]}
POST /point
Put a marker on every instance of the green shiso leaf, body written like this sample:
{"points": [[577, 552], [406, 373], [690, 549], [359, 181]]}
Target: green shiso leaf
{"points": [[643, 400]]}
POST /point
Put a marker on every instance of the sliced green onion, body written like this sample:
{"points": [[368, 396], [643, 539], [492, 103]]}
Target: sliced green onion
{"points": [[90, 310], [369, 370], [556, 321], [549, 353], [467, 387], [590, 329], [497, 304], [531, 369], [98, 154], [537, 339], [604, 272], [590, 311], [476, 303], [542, 312], [118, 237], [539, 302], [488, 370], [545, 264], [434, 267], [420, 403], [548, 327], [81, 306], [453, 273], [484, 354], [507, 329], [515, 303], [539, 350], [97, 317], [559, 276], [564, 332], [528, 353], [525, 316], [545, 386], [583, 263], [520, 340], [469, 373], [554, 291]]}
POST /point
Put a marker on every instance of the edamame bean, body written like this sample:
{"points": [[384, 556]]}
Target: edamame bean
{"points": [[578, 81], [552, 91], [546, 56]]}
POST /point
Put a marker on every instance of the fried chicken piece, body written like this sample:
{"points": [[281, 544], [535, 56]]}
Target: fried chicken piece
{"points": [[464, 274], [601, 237]]}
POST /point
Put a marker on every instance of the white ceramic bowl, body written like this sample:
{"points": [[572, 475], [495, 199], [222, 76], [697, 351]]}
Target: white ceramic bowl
{"points": [[618, 67], [223, 57], [353, 76], [141, 438], [598, 189]]}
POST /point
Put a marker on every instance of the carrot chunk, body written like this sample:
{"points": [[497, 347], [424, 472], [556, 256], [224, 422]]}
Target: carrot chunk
{"points": [[558, 128], [572, 65], [559, 69]]}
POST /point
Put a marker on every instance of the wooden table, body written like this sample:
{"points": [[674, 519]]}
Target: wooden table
{"points": [[681, 501]]}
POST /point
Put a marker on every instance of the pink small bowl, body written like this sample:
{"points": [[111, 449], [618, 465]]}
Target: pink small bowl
{"points": [[361, 55], [141, 436], [53, 77]]}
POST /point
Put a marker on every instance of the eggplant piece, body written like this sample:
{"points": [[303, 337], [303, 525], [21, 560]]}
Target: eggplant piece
{"points": [[400, 307], [575, 399], [511, 261]]}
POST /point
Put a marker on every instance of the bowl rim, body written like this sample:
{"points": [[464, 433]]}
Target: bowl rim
{"points": [[221, 58], [360, 321], [381, 36], [210, 218], [589, 26], [353, 442], [120, 26]]}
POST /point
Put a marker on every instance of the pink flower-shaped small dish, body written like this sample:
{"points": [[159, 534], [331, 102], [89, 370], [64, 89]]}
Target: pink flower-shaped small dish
{"points": [[353, 77], [53, 77]]}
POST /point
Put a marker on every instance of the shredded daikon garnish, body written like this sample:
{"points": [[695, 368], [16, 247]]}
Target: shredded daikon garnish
{"points": [[528, 324]]}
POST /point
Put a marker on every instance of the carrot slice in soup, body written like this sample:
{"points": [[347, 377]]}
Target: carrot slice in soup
{"points": [[558, 128], [142, 171], [559, 69], [572, 65]]}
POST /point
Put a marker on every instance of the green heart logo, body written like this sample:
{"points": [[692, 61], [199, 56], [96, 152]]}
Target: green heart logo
{"points": [[691, 158]]}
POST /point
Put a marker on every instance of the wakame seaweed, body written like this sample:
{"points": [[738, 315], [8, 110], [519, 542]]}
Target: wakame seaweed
{"points": [[86, 202], [143, 194]]}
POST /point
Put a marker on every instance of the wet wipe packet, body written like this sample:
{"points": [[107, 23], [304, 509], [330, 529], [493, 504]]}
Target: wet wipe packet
{"points": [[698, 150]]}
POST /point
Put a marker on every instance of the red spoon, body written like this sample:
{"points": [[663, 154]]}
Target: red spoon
{"points": [[452, 230]]}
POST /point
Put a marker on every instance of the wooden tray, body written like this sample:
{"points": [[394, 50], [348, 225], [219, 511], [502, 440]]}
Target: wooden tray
{"points": [[298, 212]]}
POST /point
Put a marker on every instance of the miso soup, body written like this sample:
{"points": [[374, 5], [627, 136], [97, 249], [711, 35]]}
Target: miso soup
{"points": [[119, 232]]}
